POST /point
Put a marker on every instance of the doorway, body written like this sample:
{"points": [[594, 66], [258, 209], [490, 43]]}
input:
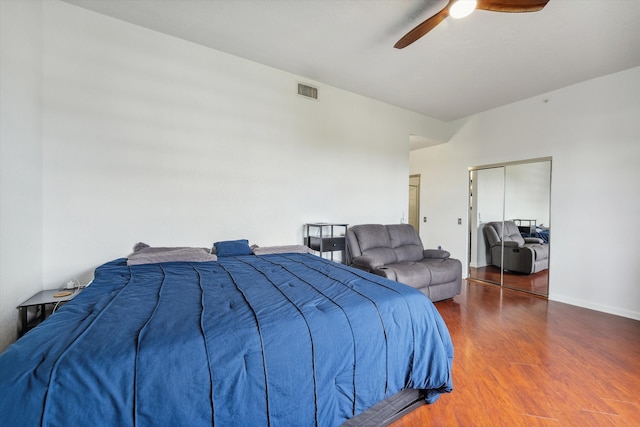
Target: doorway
{"points": [[414, 201]]}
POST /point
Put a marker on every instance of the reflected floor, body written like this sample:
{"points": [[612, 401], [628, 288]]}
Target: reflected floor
{"points": [[537, 283]]}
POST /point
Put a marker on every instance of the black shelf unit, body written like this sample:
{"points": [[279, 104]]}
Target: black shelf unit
{"points": [[324, 237], [526, 226]]}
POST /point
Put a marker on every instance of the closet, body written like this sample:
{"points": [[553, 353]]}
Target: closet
{"points": [[514, 191]]}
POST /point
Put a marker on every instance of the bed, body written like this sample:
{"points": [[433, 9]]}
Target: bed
{"points": [[280, 339]]}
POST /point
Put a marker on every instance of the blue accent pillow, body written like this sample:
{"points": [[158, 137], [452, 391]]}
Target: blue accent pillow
{"points": [[233, 248]]}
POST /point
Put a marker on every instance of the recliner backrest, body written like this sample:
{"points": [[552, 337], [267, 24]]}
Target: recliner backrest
{"points": [[508, 232], [371, 240], [386, 244], [405, 242]]}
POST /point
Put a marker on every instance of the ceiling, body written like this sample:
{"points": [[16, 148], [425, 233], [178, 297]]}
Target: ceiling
{"points": [[460, 68]]}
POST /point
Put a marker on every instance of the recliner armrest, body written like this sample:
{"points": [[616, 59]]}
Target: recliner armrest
{"points": [[436, 254], [510, 244], [366, 262], [533, 240]]}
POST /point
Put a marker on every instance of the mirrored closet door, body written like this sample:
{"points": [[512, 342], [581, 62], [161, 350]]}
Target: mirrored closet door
{"points": [[509, 224]]}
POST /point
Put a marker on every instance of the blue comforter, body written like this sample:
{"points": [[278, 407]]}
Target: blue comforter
{"points": [[280, 340]]}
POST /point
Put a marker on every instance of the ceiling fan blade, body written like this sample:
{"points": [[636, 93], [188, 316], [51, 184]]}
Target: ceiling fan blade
{"points": [[423, 28], [511, 6]]}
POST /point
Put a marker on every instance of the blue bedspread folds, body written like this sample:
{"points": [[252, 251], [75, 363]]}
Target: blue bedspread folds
{"points": [[274, 340]]}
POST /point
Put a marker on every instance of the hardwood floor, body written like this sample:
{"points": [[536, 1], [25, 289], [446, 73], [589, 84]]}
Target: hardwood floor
{"points": [[537, 283], [521, 360]]}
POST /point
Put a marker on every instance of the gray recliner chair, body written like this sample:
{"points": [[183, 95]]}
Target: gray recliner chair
{"points": [[396, 252], [525, 255]]}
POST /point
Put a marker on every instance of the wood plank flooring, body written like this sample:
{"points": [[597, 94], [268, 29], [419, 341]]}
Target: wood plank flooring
{"points": [[537, 283], [521, 360]]}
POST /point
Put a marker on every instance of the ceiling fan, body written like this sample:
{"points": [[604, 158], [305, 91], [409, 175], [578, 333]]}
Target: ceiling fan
{"points": [[462, 8]]}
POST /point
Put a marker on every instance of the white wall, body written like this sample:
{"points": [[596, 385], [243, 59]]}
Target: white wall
{"points": [[488, 200], [151, 138], [20, 159], [592, 132], [526, 191], [138, 136]]}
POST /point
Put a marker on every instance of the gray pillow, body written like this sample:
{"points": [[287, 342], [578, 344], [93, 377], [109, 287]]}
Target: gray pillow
{"points": [[145, 254], [286, 249]]}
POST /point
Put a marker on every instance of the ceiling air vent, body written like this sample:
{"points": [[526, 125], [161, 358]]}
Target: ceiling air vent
{"points": [[307, 91]]}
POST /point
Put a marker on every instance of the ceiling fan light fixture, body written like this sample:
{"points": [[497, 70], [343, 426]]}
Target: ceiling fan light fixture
{"points": [[462, 8]]}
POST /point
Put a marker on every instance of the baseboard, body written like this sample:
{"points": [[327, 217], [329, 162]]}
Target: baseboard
{"points": [[597, 307]]}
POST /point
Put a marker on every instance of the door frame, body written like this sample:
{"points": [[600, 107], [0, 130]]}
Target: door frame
{"points": [[417, 216]]}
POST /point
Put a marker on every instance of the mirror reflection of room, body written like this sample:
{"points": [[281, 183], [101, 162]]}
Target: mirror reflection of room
{"points": [[509, 225]]}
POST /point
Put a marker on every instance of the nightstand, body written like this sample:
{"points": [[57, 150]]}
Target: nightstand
{"points": [[41, 300], [323, 238]]}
